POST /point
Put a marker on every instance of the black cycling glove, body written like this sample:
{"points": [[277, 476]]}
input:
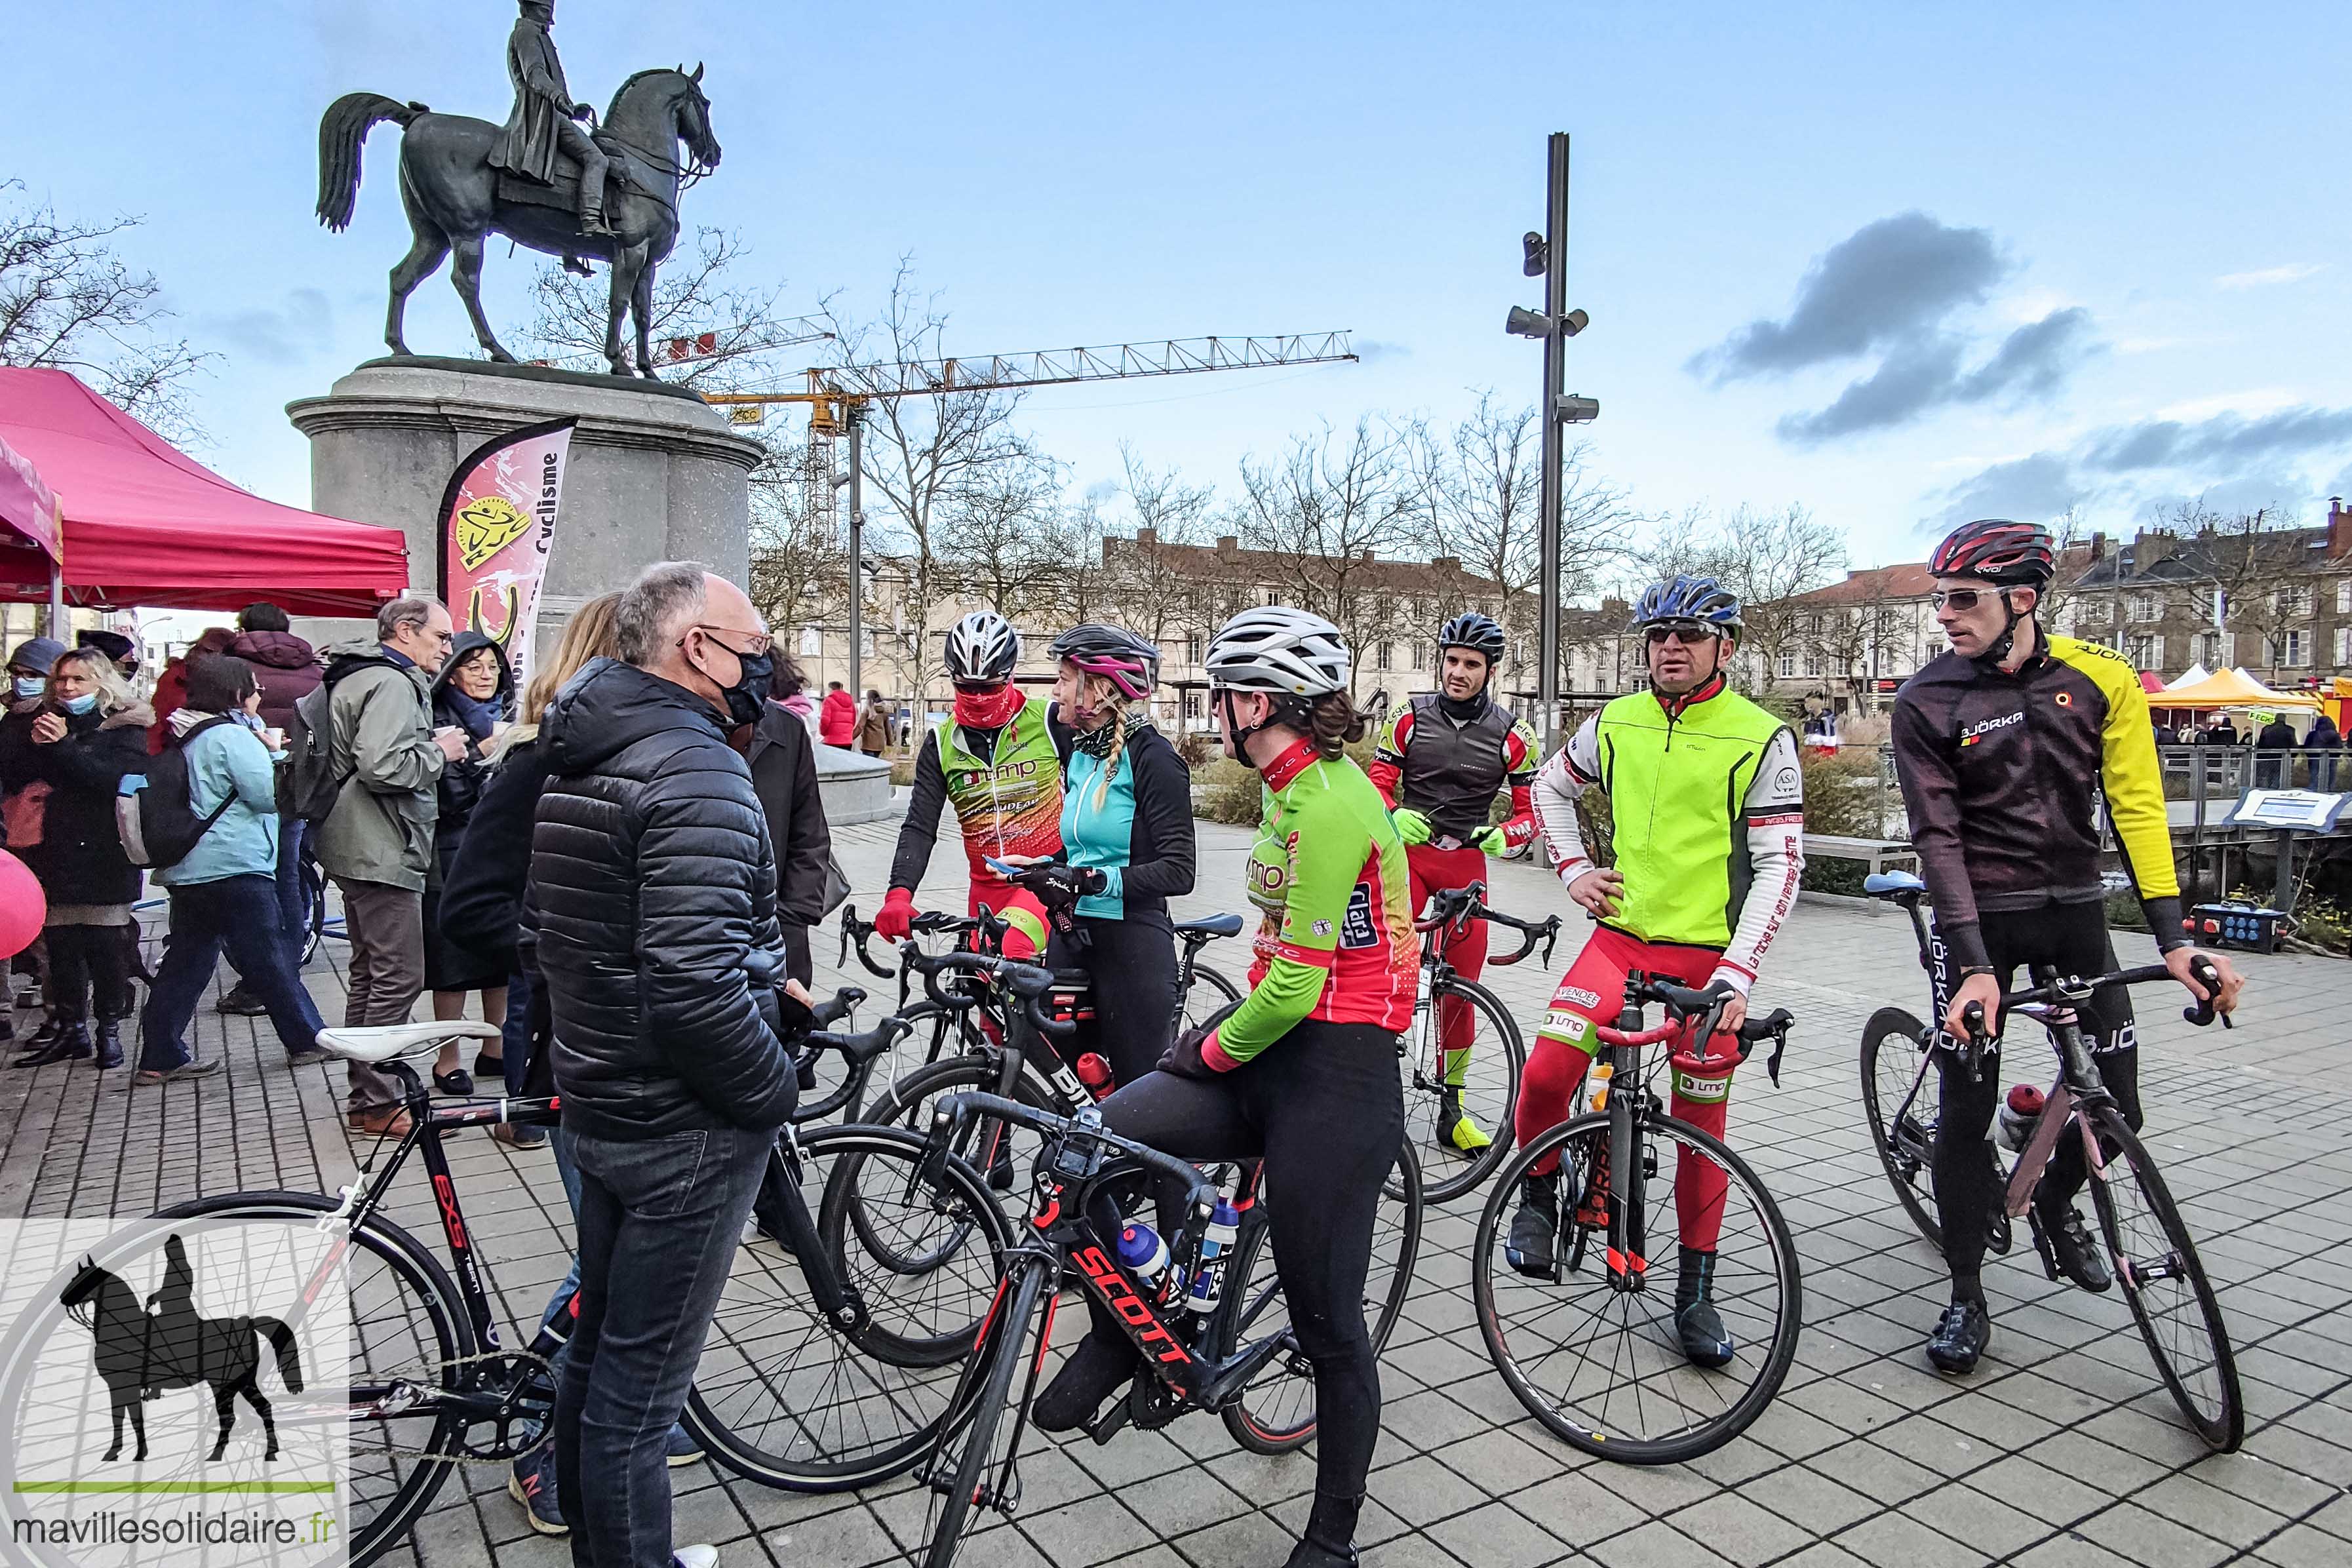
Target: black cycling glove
{"points": [[1184, 1060], [1059, 886]]}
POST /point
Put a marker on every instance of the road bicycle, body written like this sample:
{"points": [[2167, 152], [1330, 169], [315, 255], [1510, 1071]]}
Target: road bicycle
{"points": [[2153, 1258], [1479, 1080], [827, 1367], [1191, 1361], [1589, 1347]]}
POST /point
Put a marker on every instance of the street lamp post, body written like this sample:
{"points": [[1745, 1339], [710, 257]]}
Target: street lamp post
{"points": [[1546, 257]]}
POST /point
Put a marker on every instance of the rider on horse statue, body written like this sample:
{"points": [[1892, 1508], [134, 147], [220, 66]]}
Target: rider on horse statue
{"points": [[544, 122]]}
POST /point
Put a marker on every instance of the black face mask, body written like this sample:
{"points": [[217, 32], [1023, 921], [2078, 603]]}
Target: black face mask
{"points": [[747, 699]]}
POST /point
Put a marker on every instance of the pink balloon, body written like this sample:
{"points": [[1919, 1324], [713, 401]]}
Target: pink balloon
{"points": [[23, 906]]}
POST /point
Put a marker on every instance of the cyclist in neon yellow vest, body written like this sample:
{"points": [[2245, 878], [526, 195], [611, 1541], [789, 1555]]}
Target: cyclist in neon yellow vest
{"points": [[994, 760], [1707, 803]]}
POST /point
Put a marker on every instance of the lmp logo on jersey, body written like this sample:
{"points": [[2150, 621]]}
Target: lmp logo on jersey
{"points": [[1977, 733], [1356, 928]]}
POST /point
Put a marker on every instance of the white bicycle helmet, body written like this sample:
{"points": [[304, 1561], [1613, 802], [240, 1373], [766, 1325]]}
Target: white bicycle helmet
{"points": [[982, 647], [1277, 649]]}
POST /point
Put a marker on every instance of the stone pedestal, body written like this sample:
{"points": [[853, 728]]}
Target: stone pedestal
{"points": [[855, 787], [656, 473]]}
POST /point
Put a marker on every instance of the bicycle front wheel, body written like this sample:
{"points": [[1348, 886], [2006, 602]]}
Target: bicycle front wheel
{"points": [[2162, 1279], [974, 1477], [792, 1399], [1594, 1354], [1275, 1413], [1209, 994], [1457, 1103]]}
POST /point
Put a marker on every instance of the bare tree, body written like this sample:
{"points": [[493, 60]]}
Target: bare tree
{"points": [[1159, 589], [1482, 484], [1326, 509], [1766, 558], [1086, 577], [998, 535], [694, 293], [799, 568], [2256, 563], [68, 302]]}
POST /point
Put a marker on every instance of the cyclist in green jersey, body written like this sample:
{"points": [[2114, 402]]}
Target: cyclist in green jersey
{"points": [[1303, 1073]]}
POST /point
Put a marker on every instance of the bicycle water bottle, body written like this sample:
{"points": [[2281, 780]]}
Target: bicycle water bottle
{"points": [[1141, 1252], [1597, 1079], [1217, 1246], [1094, 1073], [2014, 1127]]}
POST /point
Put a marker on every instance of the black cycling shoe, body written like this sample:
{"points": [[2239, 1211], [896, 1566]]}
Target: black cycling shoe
{"points": [[1311, 1555], [1535, 1228], [1098, 1369], [2068, 1246], [1961, 1337], [1705, 1342]]}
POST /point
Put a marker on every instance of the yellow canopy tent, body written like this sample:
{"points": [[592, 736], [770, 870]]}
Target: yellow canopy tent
{"points": [[2233, 689]]}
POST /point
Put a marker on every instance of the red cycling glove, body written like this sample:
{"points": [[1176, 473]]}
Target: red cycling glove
{"points": [[894, 920]]}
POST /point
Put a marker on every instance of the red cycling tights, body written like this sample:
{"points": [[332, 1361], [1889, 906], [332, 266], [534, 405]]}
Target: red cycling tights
{"points": [[1593, 992], [1432, 870]]}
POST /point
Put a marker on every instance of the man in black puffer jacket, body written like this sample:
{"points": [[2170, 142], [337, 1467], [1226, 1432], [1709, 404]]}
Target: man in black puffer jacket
{"points": [[654, 880]]}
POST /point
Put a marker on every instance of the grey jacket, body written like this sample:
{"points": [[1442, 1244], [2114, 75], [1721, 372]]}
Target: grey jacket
{"points": [[382, 827]]}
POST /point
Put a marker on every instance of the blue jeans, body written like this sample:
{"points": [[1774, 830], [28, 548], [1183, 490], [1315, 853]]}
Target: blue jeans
{"points": [[660, 1219], [240, 913], [293, 909]]}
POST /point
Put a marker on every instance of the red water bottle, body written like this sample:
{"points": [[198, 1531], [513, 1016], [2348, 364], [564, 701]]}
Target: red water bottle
{"points": [[2013, 1125], [1094, 1073]]}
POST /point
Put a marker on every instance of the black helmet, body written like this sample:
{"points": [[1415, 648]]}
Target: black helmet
{"points": [[1478, 633], [1118, 655], [2009, 555]]}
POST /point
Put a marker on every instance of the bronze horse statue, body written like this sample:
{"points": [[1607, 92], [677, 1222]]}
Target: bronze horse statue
{"points": [[456, 199], [142, 1352]]}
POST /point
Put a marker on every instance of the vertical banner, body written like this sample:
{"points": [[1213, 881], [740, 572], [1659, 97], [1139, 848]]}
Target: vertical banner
{"points": [[498, 520]]}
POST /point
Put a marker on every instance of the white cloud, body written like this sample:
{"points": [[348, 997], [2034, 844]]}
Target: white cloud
{"points": [[2266, 277], [2258, 401]]}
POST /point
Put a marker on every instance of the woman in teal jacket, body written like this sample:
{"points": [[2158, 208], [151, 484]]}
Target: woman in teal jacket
{"points": [[225, 892]]}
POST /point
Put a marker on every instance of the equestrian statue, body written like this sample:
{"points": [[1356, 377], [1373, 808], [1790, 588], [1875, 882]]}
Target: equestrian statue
{"points": [[610, 193]]}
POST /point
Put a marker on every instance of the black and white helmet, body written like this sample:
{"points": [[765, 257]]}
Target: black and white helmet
{"points": [[1277, 649], [982, 647], [1478, 633]]}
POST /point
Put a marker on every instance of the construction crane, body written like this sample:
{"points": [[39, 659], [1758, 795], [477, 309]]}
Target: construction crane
{"points": [[837, 399]]}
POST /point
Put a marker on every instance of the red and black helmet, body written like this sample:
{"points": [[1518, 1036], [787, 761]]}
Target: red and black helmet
{"points": [[2012, 554]]}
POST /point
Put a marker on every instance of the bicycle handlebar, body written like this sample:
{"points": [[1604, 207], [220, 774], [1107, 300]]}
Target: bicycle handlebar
{"points": [[1468, 903], [1027, 982], [2070, 991], [955, 1110]]}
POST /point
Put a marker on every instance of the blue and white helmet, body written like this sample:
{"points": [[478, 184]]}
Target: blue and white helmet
{"points": [[1701, 600]]}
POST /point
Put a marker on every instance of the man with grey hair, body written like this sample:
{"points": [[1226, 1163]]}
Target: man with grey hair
{"points": [[377, 842], [654, 882]]}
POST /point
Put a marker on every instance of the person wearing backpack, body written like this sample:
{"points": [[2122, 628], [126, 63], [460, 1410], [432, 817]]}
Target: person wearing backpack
{"points": [[382, 758], [87, 732], [288, 669], [223, 887]]}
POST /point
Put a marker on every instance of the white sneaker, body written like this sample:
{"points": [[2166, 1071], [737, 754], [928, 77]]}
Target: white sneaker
{"points": [[694, 1557]]}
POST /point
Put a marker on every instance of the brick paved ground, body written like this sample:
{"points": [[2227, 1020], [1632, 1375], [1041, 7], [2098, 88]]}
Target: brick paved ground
{"points": [[2061, 1451]]}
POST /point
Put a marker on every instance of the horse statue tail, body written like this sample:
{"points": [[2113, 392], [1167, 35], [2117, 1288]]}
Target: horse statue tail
{"points": [[342, 129], [282, 1338]]}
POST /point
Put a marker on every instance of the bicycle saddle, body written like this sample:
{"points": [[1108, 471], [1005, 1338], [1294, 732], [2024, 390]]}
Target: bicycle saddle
{"points": [[385, 1041], [1893, 885], [1212, 925]]}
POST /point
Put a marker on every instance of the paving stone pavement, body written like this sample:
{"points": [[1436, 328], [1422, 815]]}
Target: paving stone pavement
{"points": [[2061, 1451]]}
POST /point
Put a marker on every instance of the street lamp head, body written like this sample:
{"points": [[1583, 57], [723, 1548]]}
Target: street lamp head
{"points": [[1526, 323], [1574, 322], [1538, 254]]}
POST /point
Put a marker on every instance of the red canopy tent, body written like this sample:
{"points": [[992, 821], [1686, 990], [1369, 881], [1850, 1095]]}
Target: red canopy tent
{"points": [[146, 524]]}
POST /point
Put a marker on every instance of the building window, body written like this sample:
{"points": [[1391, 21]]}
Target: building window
{"points": [[1812, 661], [812, 643], [2294, 599], [1384, 657], [2148, 651], [2343, 646], [1193, 651], [1273, 596], [2294, 649], [866, 642], [2343, 596], [2209, 649], [1420, 656], [1788, 666], [2142, 607]]}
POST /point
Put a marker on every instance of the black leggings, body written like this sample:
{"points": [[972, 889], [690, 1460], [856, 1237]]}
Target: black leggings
{"points": [[1133, 966], [2074, 938], [1325, 1107], [84, 960]]}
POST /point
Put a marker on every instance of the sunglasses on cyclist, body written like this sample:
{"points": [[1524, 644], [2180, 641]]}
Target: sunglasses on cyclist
{"points": [[1961, 599], [1690, 634]]}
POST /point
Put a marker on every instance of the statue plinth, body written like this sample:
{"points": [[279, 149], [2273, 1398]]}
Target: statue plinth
{"points": [[656, 473]]}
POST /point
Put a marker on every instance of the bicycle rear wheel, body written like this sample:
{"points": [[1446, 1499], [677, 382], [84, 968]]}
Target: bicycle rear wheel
{"points": [[1896, 1054], [1488, 1089], [1275, 1413], [2162, 1279], [1209, 994], [792, 1400], [983, 1480], [1600, 1365]]}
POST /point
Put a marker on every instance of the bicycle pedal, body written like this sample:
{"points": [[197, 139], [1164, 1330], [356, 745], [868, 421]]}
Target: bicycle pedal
{"points": [[2041, 1246], [1999, 1235], [1108, 1425]]}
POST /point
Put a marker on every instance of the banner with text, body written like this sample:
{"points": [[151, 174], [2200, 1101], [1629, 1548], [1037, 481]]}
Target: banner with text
{"points": [[497, 521]]}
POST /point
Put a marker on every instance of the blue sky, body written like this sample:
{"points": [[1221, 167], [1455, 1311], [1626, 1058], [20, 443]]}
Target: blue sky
{"points": [[1895, 263]]}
